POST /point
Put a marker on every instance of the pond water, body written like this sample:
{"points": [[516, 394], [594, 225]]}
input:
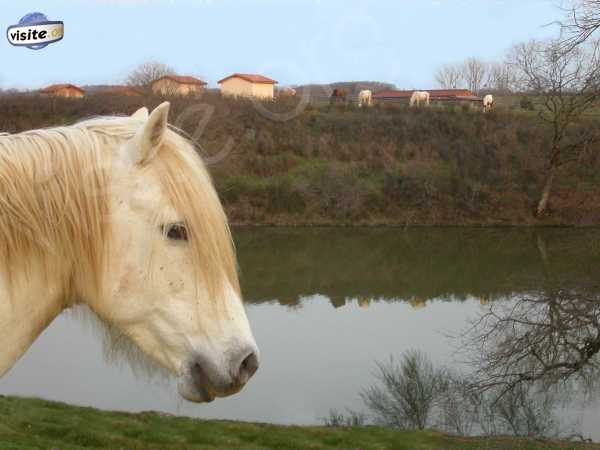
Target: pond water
{"points": [[324, 305]]}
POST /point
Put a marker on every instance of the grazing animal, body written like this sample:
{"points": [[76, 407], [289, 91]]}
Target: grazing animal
{"points": [[365, 98], [418, 98], [338, 96], [488, 103], [286, 92], [120, 214]]}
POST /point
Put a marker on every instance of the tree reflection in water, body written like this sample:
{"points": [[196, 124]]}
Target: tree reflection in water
{"points": [[549, 337], [386, 264], [532, 357], [534, 346], [415, 394]]}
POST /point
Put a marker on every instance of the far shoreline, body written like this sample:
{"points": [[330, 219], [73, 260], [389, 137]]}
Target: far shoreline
{"points": [[249, 225]]}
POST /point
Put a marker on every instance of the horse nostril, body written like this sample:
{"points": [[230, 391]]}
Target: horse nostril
{"points": [[248, 367], [198, 374]]}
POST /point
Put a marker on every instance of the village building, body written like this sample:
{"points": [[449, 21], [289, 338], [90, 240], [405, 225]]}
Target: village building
{"points": [[178, 85], [63, 90], [248, 85]]}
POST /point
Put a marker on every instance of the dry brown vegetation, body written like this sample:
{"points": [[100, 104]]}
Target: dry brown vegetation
{"points": [[343, 165]]}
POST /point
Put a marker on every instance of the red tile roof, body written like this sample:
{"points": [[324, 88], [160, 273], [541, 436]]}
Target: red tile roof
{"points": [[451, 93], [252, 78], [434, 93], [57, 87], [182, 79], [392, 94]]}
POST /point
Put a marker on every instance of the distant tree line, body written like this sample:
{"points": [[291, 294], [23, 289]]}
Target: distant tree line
{"points": [[475, 74]]}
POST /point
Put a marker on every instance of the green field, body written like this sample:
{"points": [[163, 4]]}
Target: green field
{"points": [[29, 424], [513, 102]]}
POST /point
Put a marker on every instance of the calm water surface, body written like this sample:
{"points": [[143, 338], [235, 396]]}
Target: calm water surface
{"points": [[324, 305]]}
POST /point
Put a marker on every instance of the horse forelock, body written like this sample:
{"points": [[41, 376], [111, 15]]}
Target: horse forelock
{"points": [[189, 187], [190, 190]]}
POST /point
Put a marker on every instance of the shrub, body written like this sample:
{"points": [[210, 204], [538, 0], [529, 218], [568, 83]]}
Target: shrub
{"points": [[348, 419], [415, 394], [407, 392], [526, 104], [283, 196]]}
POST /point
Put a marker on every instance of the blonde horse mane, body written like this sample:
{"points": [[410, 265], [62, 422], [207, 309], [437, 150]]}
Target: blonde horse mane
{"points": [[54, 204]]}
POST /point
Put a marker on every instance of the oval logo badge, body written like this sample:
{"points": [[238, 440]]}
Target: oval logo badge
{"points": [[35, 31]]}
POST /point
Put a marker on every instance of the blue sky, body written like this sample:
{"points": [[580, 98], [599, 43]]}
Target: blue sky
{"points": [[293, 41]]}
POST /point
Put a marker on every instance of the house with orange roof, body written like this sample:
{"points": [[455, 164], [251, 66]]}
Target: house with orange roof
{"points": [[178, 85], [248, 85], [62, 90]]}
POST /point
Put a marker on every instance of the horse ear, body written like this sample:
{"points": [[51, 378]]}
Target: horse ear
{"points": [[151, 134], [140, 114]]}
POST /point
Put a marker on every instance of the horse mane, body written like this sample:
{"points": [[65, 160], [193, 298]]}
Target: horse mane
{"points": [[54, 203]]}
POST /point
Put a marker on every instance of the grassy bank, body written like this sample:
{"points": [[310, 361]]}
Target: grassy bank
{"points": [[28, 424], [345, 166]]}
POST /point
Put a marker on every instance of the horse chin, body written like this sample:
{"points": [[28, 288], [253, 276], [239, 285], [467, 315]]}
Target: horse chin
{"points": [[192, 392]]}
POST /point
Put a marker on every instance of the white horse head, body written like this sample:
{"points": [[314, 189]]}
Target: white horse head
{"points": [[121, 214], [488, 103], [365, 98]]}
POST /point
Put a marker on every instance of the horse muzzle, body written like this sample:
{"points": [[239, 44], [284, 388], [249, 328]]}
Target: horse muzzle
{"points": [[202, 380]]}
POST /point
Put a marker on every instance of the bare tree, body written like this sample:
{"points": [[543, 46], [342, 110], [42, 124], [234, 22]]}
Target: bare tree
{"points": [[415, 394], [569, 86], [147, 72], [527, 411], [460, 410], [407, 392], [474, 73], [449, 76], [501, 78], [549, 338], [583, 20]]}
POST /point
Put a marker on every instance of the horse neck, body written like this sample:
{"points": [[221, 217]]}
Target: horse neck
{"points": [[27, 306], [38, 284]]}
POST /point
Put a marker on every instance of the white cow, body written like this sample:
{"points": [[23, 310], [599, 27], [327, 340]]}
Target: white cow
{"points": [[419, 97], [488, 103], [365, 98]]}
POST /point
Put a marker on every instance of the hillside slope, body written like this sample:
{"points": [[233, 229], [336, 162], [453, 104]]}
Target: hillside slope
{"points": [[343, 165]]}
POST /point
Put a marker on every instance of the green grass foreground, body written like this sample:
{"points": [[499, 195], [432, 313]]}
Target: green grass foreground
{"points": [[40, 424]]}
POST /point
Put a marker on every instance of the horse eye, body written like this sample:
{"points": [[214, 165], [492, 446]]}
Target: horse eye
{"points": [[176, 231]]}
